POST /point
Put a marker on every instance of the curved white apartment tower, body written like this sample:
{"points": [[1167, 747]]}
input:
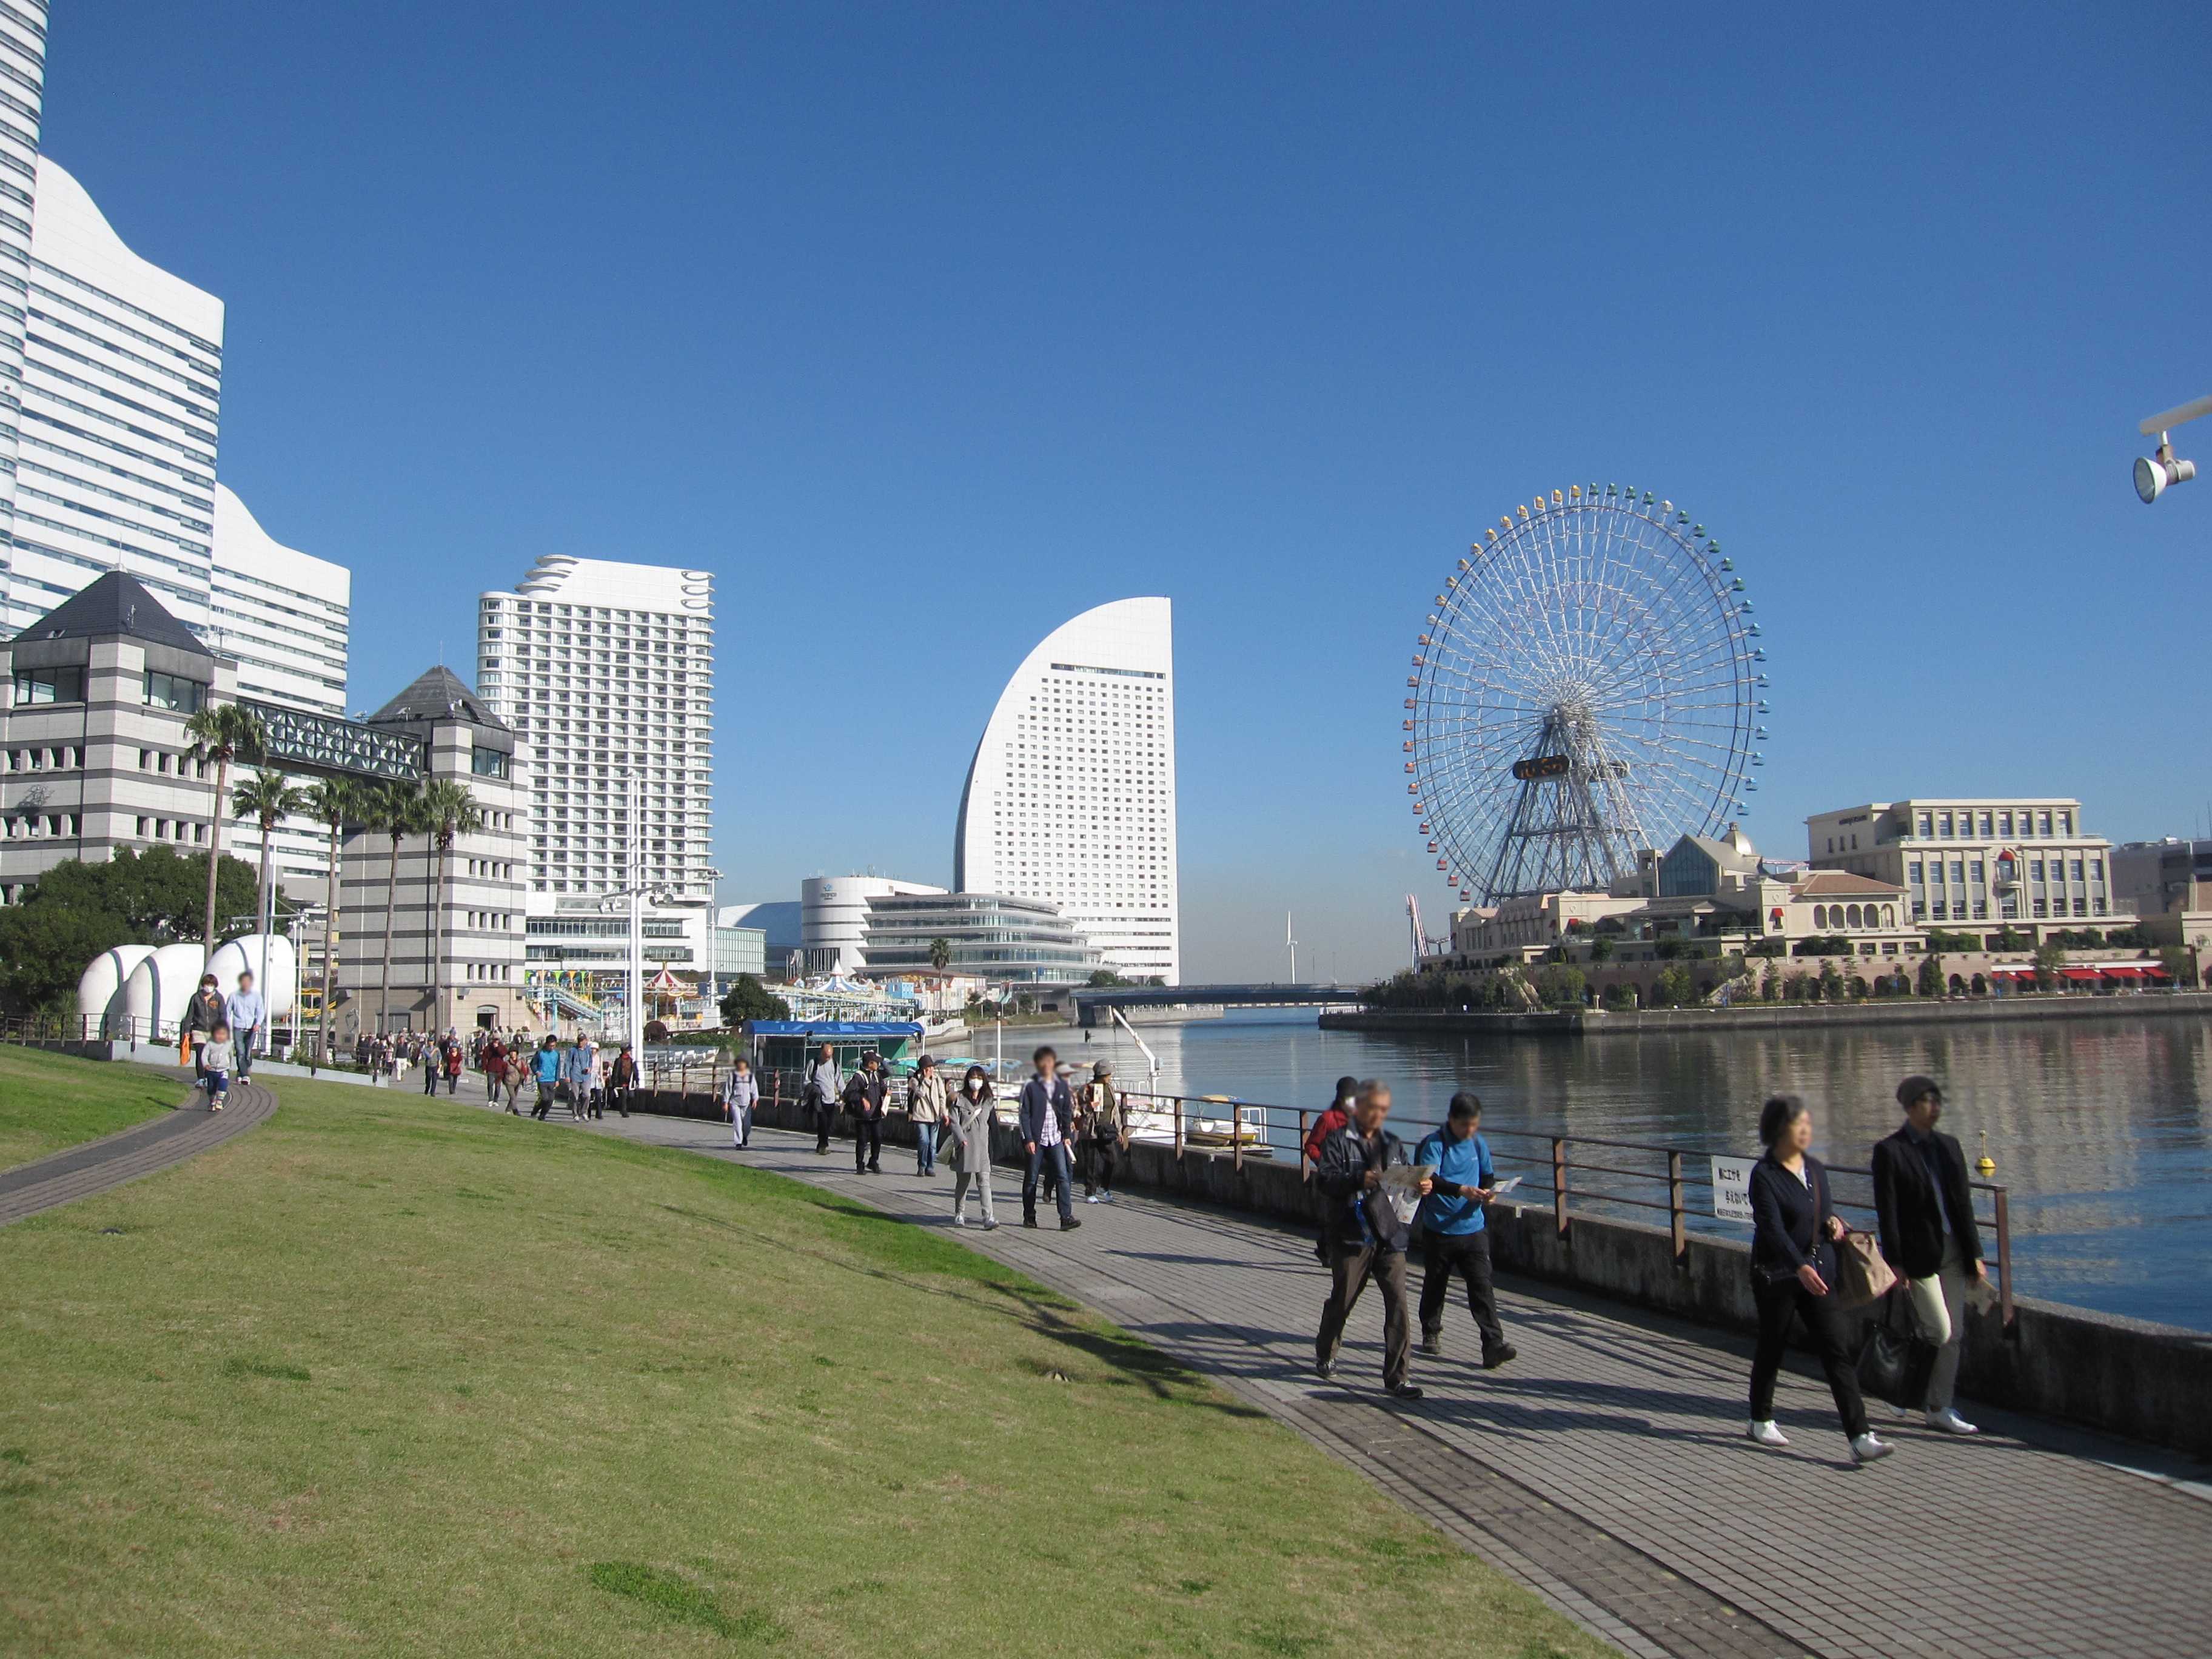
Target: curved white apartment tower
{"points": [[1071, 795]]}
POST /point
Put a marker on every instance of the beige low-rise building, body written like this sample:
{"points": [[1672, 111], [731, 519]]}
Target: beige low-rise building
{"points": [[2023, 860]]}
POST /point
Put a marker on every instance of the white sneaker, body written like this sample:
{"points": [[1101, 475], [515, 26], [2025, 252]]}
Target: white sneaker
{"points": [[1950, 1422], [1867, 1449], [1763, 1431], [959, 1221], [1091, 1198]]}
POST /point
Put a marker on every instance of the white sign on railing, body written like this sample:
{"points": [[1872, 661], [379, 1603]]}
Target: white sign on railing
{"points": [[1732, 1187]]}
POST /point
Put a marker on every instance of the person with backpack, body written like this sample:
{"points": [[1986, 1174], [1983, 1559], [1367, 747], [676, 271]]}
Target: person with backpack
{"points": [[1104, 1117], [969, 1116], [1925, 1211], [1370, 1226], [739, 1096], [864, 1104], [925, 1110], [1453, 1238], [819, 1093], [1334, 1117]]}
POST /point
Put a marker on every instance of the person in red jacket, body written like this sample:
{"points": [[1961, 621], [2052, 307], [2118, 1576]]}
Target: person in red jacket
{"points": [[1337, 1114]]}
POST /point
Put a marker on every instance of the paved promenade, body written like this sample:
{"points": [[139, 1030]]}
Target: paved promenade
{"points": [[79, 1171], [1604, 1468]]}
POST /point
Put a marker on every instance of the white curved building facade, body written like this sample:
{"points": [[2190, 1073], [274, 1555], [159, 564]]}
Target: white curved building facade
{"points": [[1070, 797]]}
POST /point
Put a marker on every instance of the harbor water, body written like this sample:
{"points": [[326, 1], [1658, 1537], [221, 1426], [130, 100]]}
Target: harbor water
{"points": [[2098, 1127]]}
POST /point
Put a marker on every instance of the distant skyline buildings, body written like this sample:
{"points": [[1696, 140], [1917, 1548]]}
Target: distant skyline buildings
{"points": [[22, 98], [1071, 795]]}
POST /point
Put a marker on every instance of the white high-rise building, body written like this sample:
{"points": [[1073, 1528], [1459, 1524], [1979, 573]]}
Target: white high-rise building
{"points": [[122, 391], [22, 96], [606, 669], [285, 618], [1071, 796]]}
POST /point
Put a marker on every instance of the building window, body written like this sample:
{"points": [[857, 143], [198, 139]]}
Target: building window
{"points": [[1923, 830], [37, 685], [2043, 824], [2004, 824], [1975, 869], [1939, 911], [2065, 824], [1983, 821], [1958, 872], [2097, 907], [1912, 870], [1981, 910], [1943, 825], [488, 763], [174, 692], [1889, 917]]}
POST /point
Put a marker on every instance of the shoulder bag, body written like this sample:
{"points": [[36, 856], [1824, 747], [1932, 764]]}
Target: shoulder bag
{"points": [[1894, 1363], [1861, 1274]]}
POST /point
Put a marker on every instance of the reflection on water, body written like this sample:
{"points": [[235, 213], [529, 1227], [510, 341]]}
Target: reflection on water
{"points": [[2098, 1126]]}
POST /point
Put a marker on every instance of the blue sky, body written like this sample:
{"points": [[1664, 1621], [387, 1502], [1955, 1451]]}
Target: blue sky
{"points": [[926, 331]]}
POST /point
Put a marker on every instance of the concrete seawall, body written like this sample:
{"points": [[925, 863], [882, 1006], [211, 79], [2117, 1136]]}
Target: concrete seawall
{"points": [[2149, 1383], [1770, 1015]]}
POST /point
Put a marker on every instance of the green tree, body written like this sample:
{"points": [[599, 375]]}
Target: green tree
{"points": [[448, 811], [397, 811], [1560, 986], [76, 910], [1673, 988], [1929, 983], [263, 799], [748, 999], [2050, 958], [1832, 982], [940, 953], [334, 802], [222, 732], [1601, 948], [1106, 979]]}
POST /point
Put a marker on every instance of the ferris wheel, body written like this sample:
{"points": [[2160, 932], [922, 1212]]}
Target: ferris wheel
{"points": [[1589, 684]]}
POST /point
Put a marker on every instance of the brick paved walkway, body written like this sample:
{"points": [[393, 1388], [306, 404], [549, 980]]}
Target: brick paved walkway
{"points": [[79, 1171], [1604, 1469]]}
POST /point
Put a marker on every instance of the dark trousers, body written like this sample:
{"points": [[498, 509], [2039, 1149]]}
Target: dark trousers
{"points": [[1098, 1174], [824, 1115], [867, 1142], [1048, 1161], [1351, 1267], [453, 1083], [617, 1095], [1467, 1254], [544, 1100], [429, 1079], [1827, 1324]]}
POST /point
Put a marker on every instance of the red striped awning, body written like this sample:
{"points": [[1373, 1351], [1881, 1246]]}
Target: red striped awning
{"points": [[2079, 973], [2122, 971]]}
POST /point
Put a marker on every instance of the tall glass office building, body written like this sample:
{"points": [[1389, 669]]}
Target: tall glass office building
{"points": [[1070, 797], [23, 99]]}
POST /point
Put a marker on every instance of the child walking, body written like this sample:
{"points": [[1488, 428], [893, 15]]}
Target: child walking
{"points": [[213, 1064]]}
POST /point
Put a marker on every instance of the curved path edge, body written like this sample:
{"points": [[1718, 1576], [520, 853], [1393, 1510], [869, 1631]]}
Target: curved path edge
{"points": [[143, 1149]]}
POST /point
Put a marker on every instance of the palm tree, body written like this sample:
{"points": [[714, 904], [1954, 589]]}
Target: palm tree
{"points": [[222, 732], [395, 810], [334, 802], [264, 798], [448, 811], [940, 954]]}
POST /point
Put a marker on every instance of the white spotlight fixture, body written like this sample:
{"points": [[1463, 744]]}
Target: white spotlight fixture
{"points": [[2155, 471]]}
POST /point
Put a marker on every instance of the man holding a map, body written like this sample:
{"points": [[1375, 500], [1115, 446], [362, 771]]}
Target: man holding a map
{"points": [[1371, 1191], [1451, 1220]]}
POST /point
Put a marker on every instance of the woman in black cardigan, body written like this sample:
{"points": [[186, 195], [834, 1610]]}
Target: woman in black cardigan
{"points": [[1794, 1232]]}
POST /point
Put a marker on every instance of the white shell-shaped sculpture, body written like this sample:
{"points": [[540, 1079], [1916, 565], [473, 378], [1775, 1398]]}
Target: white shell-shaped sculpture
{"points": [[157, 989], [101, 988], [279, 987]]}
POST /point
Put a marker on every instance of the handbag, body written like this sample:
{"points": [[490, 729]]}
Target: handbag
{"points": [[1861, 1273], [1894, 1365]]}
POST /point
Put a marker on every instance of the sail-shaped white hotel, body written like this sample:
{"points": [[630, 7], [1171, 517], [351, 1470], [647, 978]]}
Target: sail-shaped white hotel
{"points": [[1070, 797]]}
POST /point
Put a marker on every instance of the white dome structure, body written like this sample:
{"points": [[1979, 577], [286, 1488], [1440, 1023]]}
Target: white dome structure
{"points": [[280, 989], [157, 989], [101, 986]]}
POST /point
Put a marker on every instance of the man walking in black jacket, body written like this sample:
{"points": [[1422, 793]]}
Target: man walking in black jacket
{"points": [[1925, 1211], [1366, 1227], [1047, 1109], [864, 1104]]}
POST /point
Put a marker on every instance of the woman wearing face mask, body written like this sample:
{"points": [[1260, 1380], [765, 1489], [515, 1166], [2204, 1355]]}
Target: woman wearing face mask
{"points": [[969, 1115], [1794, 1234]]}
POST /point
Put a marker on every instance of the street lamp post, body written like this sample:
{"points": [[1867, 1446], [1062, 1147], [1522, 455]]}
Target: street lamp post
{"points": [[2160, 469]]}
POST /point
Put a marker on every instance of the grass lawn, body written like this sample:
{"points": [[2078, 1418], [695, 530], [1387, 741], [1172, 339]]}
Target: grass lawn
{"points": [[391, 1376], [46, 1104]]}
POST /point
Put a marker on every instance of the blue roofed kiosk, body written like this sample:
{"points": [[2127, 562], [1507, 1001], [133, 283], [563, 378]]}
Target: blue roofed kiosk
{"points": [[786, 1045]]}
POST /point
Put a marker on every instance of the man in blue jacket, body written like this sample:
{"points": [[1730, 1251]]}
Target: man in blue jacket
{"points": [[1047, 1104], [1455, 1243]]}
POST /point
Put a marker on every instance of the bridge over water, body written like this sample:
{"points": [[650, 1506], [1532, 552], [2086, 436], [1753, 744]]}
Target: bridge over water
{"points": [[1091, 1002]]}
